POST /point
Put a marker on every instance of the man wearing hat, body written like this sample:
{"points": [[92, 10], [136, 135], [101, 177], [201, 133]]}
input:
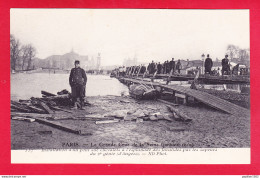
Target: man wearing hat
{"points": [[208, 65], [225, 65], [78, 80]]}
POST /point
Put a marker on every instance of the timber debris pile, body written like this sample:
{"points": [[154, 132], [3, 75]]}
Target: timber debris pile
{"points": [[47, 104], [51, 108]]}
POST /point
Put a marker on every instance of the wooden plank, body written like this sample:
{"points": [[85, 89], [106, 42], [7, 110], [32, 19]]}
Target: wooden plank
{"points": [[107, 121], [58, 126], [20, 108], [20, 118], [33, 115], [65, 96], [60, 109], [203, 97], [34, 108], [47, 93], [46, 108], [182, 115], [167, 102]]}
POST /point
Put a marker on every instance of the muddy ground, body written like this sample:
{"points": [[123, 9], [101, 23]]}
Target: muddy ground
{"points": [[208, 128]]}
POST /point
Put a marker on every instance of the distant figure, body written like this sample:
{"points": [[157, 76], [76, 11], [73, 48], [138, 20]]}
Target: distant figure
{"points": [[225, 65], [124, 70], [164, 67], [159, 68], [208, 65], [218, 72], [143, 69], [149, 68], [172, 65], [179, 66], [167, 67], [78, 81], [235, 70], [152, 67]]}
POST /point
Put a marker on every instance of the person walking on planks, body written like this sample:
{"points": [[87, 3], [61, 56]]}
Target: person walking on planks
{"points": [[78, 80], [208, 65]]}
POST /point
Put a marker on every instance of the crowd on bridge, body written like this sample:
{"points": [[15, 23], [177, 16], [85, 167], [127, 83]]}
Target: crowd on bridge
{"points": [[175, 67]]}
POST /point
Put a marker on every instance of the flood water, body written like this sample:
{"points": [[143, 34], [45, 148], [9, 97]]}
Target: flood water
{"points": [[25, 86]]}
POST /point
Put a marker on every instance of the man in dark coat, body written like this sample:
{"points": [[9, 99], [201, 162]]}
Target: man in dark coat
{"points": [[78, 81], [208, 65], [152, 67], [167, 67], [164, 67], [225, 65], [159, 68], [178, 66], [172, 65]]}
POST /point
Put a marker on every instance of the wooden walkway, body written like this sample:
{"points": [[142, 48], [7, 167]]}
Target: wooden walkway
{"points": [[206, 79], [203, 97]]}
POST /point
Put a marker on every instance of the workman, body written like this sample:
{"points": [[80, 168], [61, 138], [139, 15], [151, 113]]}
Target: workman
{"points": [[208, 65], [78, 81]]}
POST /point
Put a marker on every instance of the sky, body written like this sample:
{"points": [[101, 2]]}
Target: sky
{"points": [[118, 34]]}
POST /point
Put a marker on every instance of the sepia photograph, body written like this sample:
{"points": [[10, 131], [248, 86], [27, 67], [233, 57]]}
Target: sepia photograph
{"points": [[129, 79]]}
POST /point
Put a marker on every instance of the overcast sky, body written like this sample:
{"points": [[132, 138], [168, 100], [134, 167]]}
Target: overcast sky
{"points": [[122, 33]]}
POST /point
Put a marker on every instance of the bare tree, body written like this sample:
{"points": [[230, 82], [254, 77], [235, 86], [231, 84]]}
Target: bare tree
{"points": [[28, 53], [14, 51], [24, 55], [233, 51], [31, 55], [244, 55]]}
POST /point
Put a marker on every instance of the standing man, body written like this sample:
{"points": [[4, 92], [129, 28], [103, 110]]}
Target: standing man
{"points": [[179, 66], [172, 65], [168, 68], [225, 65], [78, 81], [159, 67], [208, 65]]}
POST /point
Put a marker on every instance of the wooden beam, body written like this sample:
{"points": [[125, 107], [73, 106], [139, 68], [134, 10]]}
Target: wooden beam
{"points": [[182, 115], [32, 115], [58, 126], [46, 108], [47, 93], [167, 102]]}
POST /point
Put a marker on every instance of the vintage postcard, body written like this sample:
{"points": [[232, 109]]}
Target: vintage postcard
{"points": [[142, 86]]}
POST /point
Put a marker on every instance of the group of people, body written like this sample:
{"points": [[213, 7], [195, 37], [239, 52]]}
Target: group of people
{"points": [[174, 67], [209, 64], [164, 68], [152, 68], [226, 68]]}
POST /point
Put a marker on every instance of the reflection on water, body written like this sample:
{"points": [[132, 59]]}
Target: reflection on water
{"points": [[24, 86]]}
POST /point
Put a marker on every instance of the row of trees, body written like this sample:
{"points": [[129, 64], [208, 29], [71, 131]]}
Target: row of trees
{"points": [[21, 55], [234, 52]]}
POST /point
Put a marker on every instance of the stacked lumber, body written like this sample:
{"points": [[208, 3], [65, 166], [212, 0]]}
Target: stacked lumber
{"points": [[47, 104]]}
